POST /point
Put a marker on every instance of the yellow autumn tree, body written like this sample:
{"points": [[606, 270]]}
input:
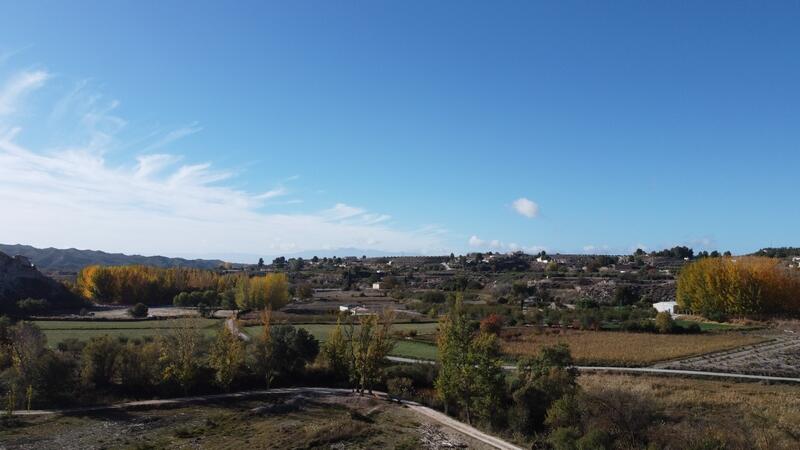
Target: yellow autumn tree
{"points": [[741, 286]]}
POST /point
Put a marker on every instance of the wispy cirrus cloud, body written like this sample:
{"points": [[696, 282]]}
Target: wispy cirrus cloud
{"points": [[172, 136], [73, 195], [15, 89]]}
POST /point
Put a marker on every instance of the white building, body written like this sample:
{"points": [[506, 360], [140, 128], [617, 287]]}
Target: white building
{"points": [[670, 307], [376, 286]]}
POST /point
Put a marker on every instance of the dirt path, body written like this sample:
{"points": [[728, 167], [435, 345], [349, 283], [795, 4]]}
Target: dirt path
{"points": [[231, 324], [416, 407]]}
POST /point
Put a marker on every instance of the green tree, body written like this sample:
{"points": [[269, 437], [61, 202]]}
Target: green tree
{"points": [[541, 381], [470, 375], [227, 357], [370, 345], [336, 352], [181, 355], [261, 361], [97, 360]]}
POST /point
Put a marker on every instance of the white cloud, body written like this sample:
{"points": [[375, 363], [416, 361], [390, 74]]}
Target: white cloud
{"points": [[273, 193], [153, 164], [596, 249], [15, 89], [173, 136], [498, 245], [526, 207], [475, 241], [74, 196]]}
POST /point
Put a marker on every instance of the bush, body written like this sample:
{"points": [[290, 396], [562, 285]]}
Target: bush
{"points": [[400, 388], [434, 297], [492, 324], [664, 323], [32, 306], [587, 303], [97, 361], [138, 310]]}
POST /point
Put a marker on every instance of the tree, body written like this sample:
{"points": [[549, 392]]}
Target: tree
{"points": [[181, 354], [470, 375], [26, 348], [625, 295], [337, 352], [743, 286], [521, 291], [370, 344], [292, 349], [271, 291], [261, 361], [541, 381], [242, 292], [227, 356], [137, 367], [305, 291], [260, 263], [97, 361]]}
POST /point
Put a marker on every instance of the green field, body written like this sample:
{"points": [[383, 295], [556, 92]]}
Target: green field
{"points": [[712, 326], [58, 331]]}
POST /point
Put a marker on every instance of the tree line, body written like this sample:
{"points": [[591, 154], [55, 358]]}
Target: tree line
{"points": [[741, 286], [128, 285]]}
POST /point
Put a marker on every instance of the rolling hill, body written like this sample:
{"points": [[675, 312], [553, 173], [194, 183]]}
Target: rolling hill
{"points": [[50, 260]]}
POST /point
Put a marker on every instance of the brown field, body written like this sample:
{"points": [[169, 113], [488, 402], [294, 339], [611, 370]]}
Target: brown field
{"points": [[712, 414], [620, 348]]}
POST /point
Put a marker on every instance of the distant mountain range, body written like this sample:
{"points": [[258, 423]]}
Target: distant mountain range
{"points": [[252, 258], [72, 260]]}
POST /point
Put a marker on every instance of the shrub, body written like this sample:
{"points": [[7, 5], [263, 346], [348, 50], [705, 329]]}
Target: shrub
{"points": [[97, 361], [138, 310], [434, 297], [32, 306], [492, 324], [401, 388], [664, 323]]}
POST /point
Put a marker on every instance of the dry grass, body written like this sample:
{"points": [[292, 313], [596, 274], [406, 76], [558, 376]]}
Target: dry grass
{"points": [[699, 413], [620, 348], [303, 422]]}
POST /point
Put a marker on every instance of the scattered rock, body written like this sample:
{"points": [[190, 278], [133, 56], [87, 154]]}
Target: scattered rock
{"points": [[433, 438]]}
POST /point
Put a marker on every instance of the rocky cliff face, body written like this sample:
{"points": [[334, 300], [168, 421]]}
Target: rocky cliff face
{"points": [[19, 279]]}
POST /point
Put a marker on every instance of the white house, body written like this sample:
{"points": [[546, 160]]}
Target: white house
{"points": [[376, 286], [670, 307]]}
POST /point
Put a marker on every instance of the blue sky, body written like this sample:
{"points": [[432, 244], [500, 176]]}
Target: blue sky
{"points": [[195, 128]]}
